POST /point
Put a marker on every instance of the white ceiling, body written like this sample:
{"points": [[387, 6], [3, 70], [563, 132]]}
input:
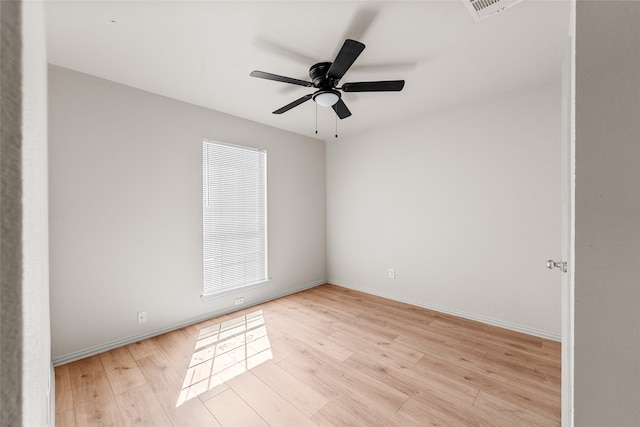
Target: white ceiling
{"points": [[202, 52]]}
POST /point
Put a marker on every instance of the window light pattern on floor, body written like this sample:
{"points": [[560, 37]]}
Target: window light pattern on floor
{"points": [[224, 351]]}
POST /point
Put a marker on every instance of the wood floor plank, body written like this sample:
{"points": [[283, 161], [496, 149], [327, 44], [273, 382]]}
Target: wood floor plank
{"points": [[437, 413], [342, 316], [304, 398], [308, 374], [429, 346], [436, 333], [517, 392], [231, 411], [178, 346], [343, 380], [373, 310], [121, 369], [94, 402], [143, 348], [528, 381], [167, 385], [272, 407], [281, 348], [313, 336], [363, 342], [451, 332], [552, 346], [527, 365], [88, 379], [444, 409], [64, 395], [488, 342], [105, 413], [325, 356], [506, 414], [139, 407], [197, 329], [345, 411], [66, 418], [405, 379]]}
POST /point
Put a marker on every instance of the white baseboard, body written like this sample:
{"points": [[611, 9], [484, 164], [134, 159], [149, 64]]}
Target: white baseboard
{"points": [[92, 351], [446, 310]]}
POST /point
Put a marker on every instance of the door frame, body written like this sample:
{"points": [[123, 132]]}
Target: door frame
{"points": [[568, 171]]}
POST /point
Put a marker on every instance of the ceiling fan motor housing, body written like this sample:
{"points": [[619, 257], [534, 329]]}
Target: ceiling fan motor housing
{"points": [[318, 74]]}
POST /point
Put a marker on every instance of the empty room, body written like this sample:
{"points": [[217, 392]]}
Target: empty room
{"points": [[322, 213]]}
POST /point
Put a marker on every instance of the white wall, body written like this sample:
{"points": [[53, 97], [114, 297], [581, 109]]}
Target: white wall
{"points": [[37, 385], [126, 208], [464, 205], [607, 244]]}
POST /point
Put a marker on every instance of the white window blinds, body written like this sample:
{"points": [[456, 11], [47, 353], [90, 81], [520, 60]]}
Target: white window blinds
{"points": [[234, 218]]}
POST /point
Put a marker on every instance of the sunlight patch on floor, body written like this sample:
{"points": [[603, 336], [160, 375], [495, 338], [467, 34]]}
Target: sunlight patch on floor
{"points": [[223, 351]]}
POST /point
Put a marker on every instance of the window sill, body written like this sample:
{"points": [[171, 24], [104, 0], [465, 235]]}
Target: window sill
{"points": [[218, 295]]}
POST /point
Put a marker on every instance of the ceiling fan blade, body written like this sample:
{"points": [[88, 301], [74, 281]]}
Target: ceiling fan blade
{"points": [[293, 104], [341, 109], [383, 86], [277, 78], [350, 50]]}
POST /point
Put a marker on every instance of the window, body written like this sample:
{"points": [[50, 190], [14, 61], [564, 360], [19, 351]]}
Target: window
{"points": [[234, 218]]}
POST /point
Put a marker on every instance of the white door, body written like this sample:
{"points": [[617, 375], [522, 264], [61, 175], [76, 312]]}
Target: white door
{"points": [[566, 239]]}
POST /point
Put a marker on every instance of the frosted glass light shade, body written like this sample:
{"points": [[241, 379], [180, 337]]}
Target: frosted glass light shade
{"points": [[326, 99]]}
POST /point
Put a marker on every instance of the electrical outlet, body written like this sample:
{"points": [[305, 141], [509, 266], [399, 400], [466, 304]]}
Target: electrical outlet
{"points": [[239, 301], [142, 317], [392, 273]]}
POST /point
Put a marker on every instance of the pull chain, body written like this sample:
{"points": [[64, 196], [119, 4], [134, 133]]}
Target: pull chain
{"points": [[336, 118]]}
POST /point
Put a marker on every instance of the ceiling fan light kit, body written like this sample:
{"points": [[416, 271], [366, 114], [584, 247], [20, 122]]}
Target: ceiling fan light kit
{"points": [[325, 77], [326, 98]]}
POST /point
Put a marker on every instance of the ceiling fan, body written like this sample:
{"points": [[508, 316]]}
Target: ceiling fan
{"points": [[325, 77]]}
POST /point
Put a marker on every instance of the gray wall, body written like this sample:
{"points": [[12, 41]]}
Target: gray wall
{"points": [[126, 208], [463, 204], [11, 215], [607, 244]]}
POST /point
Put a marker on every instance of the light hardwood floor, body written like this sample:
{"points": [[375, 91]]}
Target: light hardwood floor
{"points": [[327, 356]]}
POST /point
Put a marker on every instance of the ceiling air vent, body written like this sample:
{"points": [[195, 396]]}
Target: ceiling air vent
{"points": [[481, 9]]}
